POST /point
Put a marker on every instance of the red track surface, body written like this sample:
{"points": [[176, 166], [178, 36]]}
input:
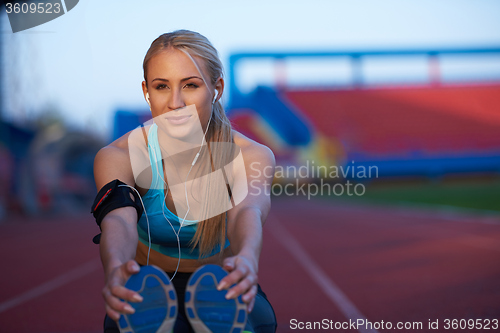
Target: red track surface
{"points": [[392, 265]]}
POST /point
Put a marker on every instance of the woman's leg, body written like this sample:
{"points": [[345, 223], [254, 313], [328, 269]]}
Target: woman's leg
{"points": [[181, 324], [262, 319], [110, 325], [180, 281]]}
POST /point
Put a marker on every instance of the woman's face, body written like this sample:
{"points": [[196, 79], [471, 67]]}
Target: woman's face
{"points": [[181, 102]]}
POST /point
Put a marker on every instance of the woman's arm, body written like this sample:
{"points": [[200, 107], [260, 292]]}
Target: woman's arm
{"points": [[245, 222], [119, 234]]}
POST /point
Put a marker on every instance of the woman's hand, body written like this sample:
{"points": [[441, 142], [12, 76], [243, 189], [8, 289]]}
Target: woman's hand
{"points": [[243, 273], [114, 290]]}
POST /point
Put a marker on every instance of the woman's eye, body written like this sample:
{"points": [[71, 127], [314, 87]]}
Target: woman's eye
{"points": [[161, 86], [191, 85]]}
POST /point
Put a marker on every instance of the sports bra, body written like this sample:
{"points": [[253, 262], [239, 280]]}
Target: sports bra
{"points": [[163, 239]]}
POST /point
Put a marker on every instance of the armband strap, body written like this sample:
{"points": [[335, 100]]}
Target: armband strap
{"points": [[113, 196]]}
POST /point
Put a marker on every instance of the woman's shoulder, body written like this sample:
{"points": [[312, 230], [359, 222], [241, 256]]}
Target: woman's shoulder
{"points": [[120, 148], [113, 160], [116, 149], [252, 150]]}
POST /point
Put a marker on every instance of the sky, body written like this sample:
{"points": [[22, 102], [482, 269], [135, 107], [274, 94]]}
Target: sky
{"points": [[88, 63]]}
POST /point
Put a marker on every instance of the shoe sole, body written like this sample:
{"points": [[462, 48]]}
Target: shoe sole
{"points": [[158, 310], [207, 308]]}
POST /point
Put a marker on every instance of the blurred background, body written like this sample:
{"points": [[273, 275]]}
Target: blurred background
{"points": [[401, 99]]}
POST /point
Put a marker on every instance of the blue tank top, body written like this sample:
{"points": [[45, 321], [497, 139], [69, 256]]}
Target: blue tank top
{"points": [[163, 239]]}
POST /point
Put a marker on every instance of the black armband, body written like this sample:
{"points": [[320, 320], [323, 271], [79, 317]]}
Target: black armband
{"points": [[113, 196]]}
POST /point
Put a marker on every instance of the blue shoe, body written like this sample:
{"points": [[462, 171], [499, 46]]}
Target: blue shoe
{"points": [[207, 308], [158, 310]]}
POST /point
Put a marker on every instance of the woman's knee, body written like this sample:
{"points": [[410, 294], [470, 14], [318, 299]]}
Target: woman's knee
{"points": [[262, 319]]}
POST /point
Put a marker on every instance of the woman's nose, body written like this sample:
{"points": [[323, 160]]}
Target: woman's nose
{"points": [[176, 101]]}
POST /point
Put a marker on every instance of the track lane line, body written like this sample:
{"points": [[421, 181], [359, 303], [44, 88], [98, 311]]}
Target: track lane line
{"points": [[53, 284], [333, 292]]}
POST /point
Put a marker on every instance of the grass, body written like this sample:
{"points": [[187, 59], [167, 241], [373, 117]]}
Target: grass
{"points": [[476, 193]]}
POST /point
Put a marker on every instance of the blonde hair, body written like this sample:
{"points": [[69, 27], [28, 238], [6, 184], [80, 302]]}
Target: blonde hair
{"points": [[211, 231]]}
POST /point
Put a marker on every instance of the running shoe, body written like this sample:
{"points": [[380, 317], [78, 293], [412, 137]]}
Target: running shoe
{"points": [[158, 310], [207, 308]]}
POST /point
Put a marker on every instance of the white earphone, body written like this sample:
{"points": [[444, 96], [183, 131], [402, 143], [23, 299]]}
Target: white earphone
{"points": [[185, 181], [185, 192], [201, 145], [215, 97]]}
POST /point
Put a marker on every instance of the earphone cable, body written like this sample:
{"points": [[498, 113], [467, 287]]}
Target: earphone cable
{"points": [[147, 220]]}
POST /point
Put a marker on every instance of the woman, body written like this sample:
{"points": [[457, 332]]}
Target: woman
{"points": [[182, 73]]}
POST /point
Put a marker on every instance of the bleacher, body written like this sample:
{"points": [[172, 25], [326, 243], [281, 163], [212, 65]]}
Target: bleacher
{"points": [[409, 130]]}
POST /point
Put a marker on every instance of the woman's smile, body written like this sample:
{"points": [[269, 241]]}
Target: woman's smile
{"points": [[178, 120]]}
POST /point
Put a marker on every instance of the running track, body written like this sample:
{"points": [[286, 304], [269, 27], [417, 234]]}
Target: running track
{"points": [[321, 259]]}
